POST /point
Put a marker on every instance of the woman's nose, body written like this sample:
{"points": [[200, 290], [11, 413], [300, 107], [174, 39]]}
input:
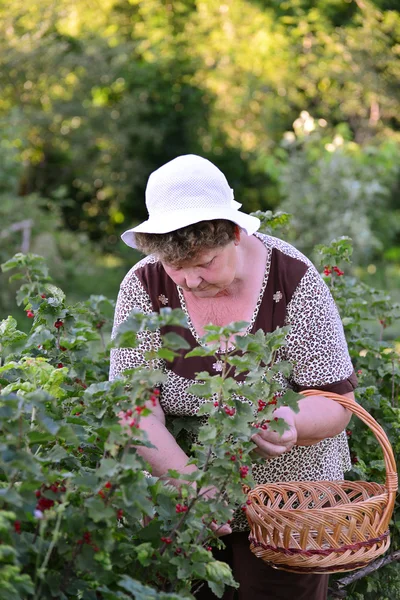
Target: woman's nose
{"points": [[192, 279]]}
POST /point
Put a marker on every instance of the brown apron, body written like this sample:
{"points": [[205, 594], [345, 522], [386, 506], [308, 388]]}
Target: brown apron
{"points": [[258, 581]]}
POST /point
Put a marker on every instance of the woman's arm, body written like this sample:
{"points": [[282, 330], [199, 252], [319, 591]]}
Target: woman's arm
{"points": [[167, 454], [318, 418]]}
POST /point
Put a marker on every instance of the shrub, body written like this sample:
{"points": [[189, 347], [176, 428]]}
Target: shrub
{"points": [[79, 516], [74, 491]]}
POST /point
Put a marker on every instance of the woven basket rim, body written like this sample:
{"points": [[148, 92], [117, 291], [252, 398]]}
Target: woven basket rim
{"points": [[306, 512], [320, 483]]}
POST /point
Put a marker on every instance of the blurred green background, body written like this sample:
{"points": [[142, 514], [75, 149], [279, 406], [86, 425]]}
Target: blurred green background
{"points": [[297, 102]]}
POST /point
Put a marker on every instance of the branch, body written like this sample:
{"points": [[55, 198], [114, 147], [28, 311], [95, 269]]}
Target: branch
{"points": [[24, 226], [16, 227], [337, 591]]}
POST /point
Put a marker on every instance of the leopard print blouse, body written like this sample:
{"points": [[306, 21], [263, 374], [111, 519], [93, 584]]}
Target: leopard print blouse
{"points": [[292, 293]]}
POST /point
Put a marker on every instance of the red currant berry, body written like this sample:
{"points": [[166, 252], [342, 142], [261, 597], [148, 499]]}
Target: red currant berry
{"points": [[243, 471], [17, 527]]}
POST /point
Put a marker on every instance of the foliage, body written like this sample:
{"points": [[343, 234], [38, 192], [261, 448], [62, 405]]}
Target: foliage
{"points": [[333, 187], [73, 490], [104, 94], [31, 223], [79, 515], [365, 313]]}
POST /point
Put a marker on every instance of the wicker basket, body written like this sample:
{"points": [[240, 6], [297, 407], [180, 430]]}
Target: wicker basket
{"points": [[324, 526]]}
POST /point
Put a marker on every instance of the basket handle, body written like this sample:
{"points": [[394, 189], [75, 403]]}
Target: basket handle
{"points": [[390, 463]]}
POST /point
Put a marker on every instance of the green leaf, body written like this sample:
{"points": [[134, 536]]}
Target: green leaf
{"points": [[241, 363], [98, 510], [11, 496], [144, 592], [177, 424], [48, 423], [203, 390], [98, 388], [144, 553], [55, 292], [208, 434], [220, 572], [132, 461], [75, 421], [152, 532], [10, 264], [200, 351], [38, 437], [67, 433], [9, 333], [17, 277], [86, 480], [216, 588], [108, 468], [291, 399], [166, 354], [56, 455], [39, 337], [280, 426], [173, 341]]}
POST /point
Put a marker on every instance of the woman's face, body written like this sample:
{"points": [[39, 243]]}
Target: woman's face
{"points": [[207, 275]]}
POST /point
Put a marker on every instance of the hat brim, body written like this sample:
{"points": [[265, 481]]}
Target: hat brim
{"points": [[178, 219]]}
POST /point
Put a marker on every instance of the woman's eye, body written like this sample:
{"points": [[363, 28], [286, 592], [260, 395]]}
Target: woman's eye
{"points": [[208, 264]]}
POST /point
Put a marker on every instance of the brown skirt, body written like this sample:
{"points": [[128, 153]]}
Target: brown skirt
{"points": [[258, 581]]}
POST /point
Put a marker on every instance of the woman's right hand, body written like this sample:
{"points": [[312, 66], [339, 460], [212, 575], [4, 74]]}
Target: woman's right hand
{"points": [[219, 529]]}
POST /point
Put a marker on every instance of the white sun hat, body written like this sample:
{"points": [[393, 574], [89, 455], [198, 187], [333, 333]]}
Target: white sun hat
{"points": [[187, 190]]}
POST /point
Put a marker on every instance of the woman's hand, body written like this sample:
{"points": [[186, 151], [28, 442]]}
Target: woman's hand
{"points": [[218, 529], [221, 530], [269, 443]]}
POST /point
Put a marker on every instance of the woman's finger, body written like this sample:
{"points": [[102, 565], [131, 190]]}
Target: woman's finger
{"points": [[221, 530], [268, 449], [273, 436]]}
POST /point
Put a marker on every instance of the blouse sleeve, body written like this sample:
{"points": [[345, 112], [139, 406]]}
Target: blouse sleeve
{"points": [[132, 295], [316, 345]]}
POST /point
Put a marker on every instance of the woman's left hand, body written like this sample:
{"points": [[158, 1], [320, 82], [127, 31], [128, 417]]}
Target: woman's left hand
{"points": [[270, 444]]}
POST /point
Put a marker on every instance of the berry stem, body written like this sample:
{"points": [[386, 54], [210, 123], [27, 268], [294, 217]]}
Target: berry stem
{"points": [[56, 534]]}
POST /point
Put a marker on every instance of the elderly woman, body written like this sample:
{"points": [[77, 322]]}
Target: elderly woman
{"points": [[205, 257]]}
